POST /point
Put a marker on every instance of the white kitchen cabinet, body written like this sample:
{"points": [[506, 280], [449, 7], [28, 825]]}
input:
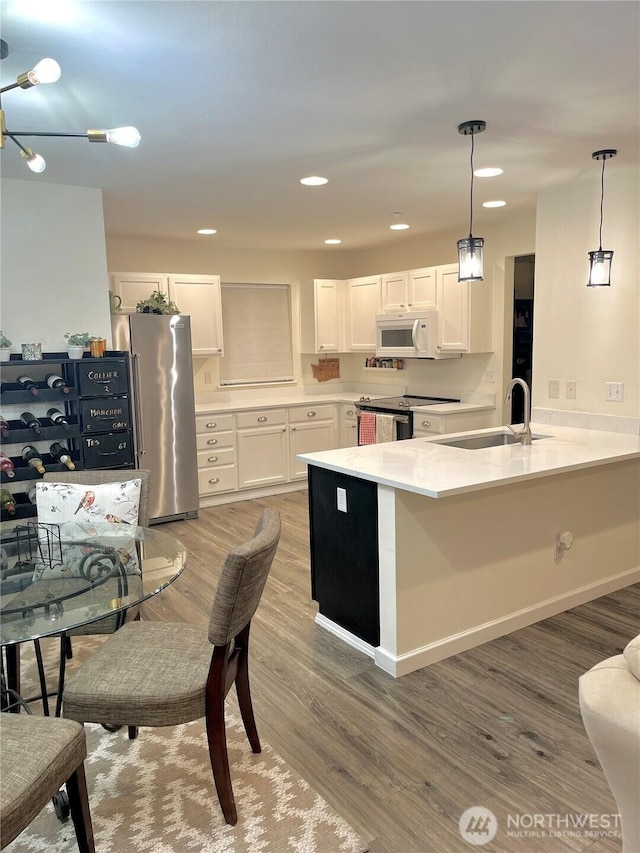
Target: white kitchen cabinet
{"points": [[426, 424], [134, 287], [363, 303], [409, 291], [322, 316], [262, 448], [216, 454], [199, 296], [348, 425], [311, 429], [466, 312]]}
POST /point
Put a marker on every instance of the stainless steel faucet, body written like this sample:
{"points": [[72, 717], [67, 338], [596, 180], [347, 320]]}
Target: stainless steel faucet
{"points": [[525, 433]]}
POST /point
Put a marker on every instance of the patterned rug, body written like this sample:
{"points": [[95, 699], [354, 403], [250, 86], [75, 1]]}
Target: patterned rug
{"points": [[156, 795]]}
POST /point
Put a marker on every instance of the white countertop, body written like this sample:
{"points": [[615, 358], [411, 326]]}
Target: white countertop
{"points": [[452, 408], [301, 399], [422, 466]]}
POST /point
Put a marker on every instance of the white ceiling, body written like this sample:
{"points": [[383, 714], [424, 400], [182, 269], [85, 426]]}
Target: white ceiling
{"points": [[236, 101]]}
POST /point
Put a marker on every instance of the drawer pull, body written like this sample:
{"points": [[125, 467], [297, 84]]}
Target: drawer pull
{"points": [[212, 441], [311, 414], [350, 412], [214, 480], [213, 459], [426, 423], [261, 419], [212, 425]]}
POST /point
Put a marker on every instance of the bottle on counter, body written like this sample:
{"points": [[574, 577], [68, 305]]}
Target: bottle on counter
{"points": [[7, 502], [28, 384], [4, 427], [32, 491], [6, 465], [55, 381], [62, 454], [57, 417], [32, 456], [31, 422]]}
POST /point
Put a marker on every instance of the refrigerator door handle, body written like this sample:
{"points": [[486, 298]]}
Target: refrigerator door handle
{"points": [[136, 398]]}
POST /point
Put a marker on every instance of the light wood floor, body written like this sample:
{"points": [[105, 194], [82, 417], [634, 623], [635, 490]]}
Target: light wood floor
{"points": [[401, 759]]}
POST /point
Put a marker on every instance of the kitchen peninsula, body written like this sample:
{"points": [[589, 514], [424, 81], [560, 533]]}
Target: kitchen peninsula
{"points": [[420, 550]]}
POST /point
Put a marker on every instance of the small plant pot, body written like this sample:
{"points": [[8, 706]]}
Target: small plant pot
{"points": [[5, 354], [75, 352]]}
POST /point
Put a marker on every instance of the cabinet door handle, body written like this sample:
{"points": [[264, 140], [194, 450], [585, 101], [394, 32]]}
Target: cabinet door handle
{"points": [[214, 480], [212, 441], [311, 414], [261, 419], [402, 304], [219, 349], [426, 423], [293, 429], [213, 459], [212, 425], [321, 346]]}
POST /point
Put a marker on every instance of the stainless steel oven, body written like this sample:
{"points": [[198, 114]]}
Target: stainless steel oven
{"points": [[400, 408]]}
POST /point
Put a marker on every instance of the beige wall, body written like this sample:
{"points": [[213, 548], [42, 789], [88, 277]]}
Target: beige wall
{"points": [[588, 334]]}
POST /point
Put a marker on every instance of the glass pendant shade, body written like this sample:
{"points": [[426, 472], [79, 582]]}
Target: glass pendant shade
{"points": [[470, 259], [600, 268]]}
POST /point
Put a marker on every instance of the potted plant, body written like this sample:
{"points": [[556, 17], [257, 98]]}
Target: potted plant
{"points": [[5, 347], [77, 343], [157, 303]]}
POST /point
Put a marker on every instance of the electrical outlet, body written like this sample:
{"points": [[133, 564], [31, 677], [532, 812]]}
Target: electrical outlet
{"points": [[341, 499], [570, 389], [490, 376], [614, 391], [207, 377], [554, 389]]}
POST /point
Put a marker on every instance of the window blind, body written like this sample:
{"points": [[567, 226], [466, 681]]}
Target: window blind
{"points": [[256, 323]]}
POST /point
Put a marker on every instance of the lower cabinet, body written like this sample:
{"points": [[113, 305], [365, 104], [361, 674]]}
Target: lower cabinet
{"points": [[348, 425], [425, 425], [311, 429], [262, 448], [216, 452]]}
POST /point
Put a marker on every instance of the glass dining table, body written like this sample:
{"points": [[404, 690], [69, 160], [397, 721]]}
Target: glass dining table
{"points": [[54, 578]]}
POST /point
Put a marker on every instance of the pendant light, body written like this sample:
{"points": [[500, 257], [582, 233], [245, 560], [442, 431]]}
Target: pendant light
{"points": [[600, 261], [470, 249]]}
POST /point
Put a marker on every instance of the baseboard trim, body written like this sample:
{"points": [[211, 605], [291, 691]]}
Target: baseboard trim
{"points": [[344, 635], [399, 665], [249, 494]]}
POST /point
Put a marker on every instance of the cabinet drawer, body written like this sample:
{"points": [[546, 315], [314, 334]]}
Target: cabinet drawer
{"points": [[216, 441], [214, 480], [349, 413], [427, 424], [108, 451], [214, 423], [213, 458], [105, 415], [306, 414], [262, 417], [104, 379]]}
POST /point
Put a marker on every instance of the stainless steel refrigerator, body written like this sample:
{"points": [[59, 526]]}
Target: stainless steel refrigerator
{"points": [[163, 409]]}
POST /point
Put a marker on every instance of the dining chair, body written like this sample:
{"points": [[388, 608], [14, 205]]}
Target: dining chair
{"points": [[165, 674], [37, 756]]}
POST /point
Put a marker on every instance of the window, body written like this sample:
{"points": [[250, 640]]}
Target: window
{"points": [[256, 322]]}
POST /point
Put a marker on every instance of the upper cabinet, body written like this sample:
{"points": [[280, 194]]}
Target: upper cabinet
{"points": [[409, 291], [196, 295], [321, 304], [364, 300], [466, 312]]}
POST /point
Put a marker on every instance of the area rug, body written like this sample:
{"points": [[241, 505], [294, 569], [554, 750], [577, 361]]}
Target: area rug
{"points": [[156, 795]]}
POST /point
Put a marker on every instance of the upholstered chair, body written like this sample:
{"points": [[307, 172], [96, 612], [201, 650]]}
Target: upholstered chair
{"points": [[610, 705], [37, 756], [165, 674]]}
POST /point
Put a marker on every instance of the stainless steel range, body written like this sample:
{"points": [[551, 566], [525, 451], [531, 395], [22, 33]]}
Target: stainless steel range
{"points": [[400, 408]]}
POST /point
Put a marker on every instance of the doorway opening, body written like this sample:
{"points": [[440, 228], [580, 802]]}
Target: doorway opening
{"points": [[522, 358]]}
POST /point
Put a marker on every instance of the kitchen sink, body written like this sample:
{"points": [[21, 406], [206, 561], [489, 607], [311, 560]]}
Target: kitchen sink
{"points": [[480, 441]]}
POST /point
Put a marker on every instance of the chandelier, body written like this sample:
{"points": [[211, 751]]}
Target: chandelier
{"points": [[48, 71]]}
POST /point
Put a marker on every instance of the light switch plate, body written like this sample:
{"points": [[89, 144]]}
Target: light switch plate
{"points": [[341, 499], [554, 389]]}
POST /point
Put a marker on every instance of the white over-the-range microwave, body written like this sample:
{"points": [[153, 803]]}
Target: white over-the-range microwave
{"points": [[410, 334]]}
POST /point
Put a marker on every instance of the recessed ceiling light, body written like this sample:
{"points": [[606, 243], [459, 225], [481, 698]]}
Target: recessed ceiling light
{"points": [[489, 172], [333, 241], [494, 203], [314, 181], [399, 226], [207, 231]]}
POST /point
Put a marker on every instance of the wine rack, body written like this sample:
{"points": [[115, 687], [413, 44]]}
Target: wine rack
{"points": [[94, 440]]}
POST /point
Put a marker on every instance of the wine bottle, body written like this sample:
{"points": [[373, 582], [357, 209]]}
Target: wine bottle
{"points": [[7, 502], [31, 422], [57, 417], [55, 381], [32, 457], [61, 453], [4, 427], [6, 465], [28, 384], [32, 491]]}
